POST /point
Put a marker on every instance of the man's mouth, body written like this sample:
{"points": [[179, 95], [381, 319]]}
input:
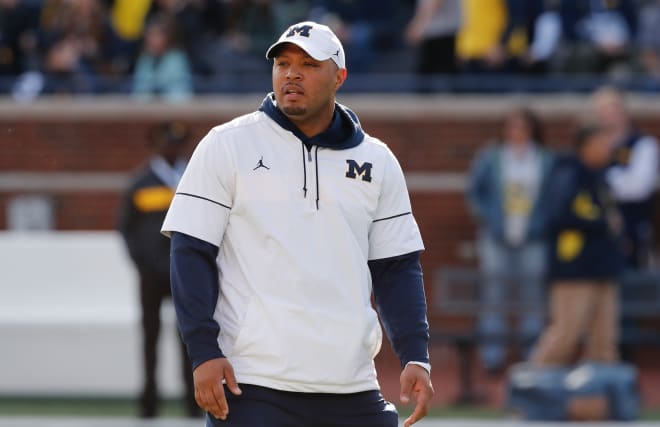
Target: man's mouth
{"points": [[293, 90]]}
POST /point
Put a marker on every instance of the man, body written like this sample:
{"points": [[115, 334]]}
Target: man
{"points": [[282, 225], [141, 215], [633, 174], [633, 177]]}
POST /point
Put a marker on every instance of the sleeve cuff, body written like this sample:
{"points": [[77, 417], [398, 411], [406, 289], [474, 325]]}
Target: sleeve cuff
{"points": [[424, 365]]}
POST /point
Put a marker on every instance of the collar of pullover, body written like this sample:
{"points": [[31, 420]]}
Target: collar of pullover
{"points": [[344, 131]]}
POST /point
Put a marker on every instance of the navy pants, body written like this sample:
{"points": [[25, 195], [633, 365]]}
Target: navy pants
{"points": [[265, 407]]}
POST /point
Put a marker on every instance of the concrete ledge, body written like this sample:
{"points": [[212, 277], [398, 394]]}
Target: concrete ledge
{"points": [[113, 108]]}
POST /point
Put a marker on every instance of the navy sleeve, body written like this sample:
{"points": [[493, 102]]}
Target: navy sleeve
{"points": [[399, 293], [195, 288]]}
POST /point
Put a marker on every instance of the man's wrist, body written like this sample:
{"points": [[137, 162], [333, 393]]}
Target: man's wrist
{"points": [[424, 365]]}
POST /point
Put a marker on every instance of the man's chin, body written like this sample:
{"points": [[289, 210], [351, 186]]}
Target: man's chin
{"points": [[294, 110]]}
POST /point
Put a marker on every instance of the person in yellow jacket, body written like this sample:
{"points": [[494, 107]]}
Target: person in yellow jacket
{"points": [[586, 257], [478, 40]]}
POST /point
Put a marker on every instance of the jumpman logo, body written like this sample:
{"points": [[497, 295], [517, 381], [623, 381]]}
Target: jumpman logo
{"points": [[260, 164]]}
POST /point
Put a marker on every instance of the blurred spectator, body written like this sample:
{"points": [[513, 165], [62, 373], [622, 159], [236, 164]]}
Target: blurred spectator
{"points": [[649, 38], [507, 196], [633, 174], [545, 40], [633, 177], [478, 40], [91, 46], [162, 69], [519, 35], [585, 261], [141, 215], [286, 12], [126, 27], [526, 41], [72, 38], [365, 27], [599, 35], [249, 26], [433, 28], [19, 22], [200, 24]]}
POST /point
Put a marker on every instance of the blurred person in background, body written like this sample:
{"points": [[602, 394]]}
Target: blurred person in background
{"points": [[585, 257], [248, 26], [366, 28], [251, 25], [598, 36], [433, 30], [163, 69], [201, 23], [19, 22], [73, 36], [126, 20], [287, 11], [632, 175], [520, 42], [649, 38], [141, 215], [507, 195], [478, 41], [546, 37]]}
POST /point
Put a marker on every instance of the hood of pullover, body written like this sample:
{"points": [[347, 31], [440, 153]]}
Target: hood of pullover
{"points": [[344, 131]]}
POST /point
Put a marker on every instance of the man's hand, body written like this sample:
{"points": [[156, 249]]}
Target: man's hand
{"points": [[416, 383], [209, 393]]}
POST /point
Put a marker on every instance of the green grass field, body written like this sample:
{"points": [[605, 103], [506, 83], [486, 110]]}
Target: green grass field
{"points": [[122, 407]]}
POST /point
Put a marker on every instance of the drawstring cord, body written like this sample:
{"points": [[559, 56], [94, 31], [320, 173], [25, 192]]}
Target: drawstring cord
{"points": [[316, 166], [302, 147], [316, 163]]}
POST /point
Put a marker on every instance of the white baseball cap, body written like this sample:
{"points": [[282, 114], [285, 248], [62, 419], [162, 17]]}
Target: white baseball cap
{"points": [[317, 40]]}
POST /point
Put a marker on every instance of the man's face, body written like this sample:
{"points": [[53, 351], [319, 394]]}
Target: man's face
{"points": [[304, 87], [610, 112]]}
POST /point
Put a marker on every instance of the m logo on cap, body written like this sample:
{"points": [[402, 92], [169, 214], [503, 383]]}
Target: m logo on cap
{"points": [[302, 31]]}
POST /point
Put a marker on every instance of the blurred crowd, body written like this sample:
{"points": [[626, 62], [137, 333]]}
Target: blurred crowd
{"points": [[161, 47], [572, 230], [578, 220]]}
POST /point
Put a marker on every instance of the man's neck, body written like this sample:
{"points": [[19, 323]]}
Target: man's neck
{"points": [[315, 125], [313, 129]]}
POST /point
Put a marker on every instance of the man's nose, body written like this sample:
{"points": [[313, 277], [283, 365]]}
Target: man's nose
{"points": [[293, 73]]}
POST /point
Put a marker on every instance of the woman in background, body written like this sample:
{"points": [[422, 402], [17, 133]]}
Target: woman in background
{"points": [[506, 195], [162, 69]]}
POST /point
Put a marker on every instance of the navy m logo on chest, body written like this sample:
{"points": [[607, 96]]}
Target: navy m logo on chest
{"points": [[302, 31], [363, 170]]}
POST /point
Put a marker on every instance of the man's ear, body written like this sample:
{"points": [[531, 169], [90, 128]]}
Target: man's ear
{"points": [[341, 77]]}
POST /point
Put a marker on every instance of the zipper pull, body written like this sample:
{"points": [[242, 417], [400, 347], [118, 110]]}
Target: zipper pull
{"points": [[309, 153]]}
